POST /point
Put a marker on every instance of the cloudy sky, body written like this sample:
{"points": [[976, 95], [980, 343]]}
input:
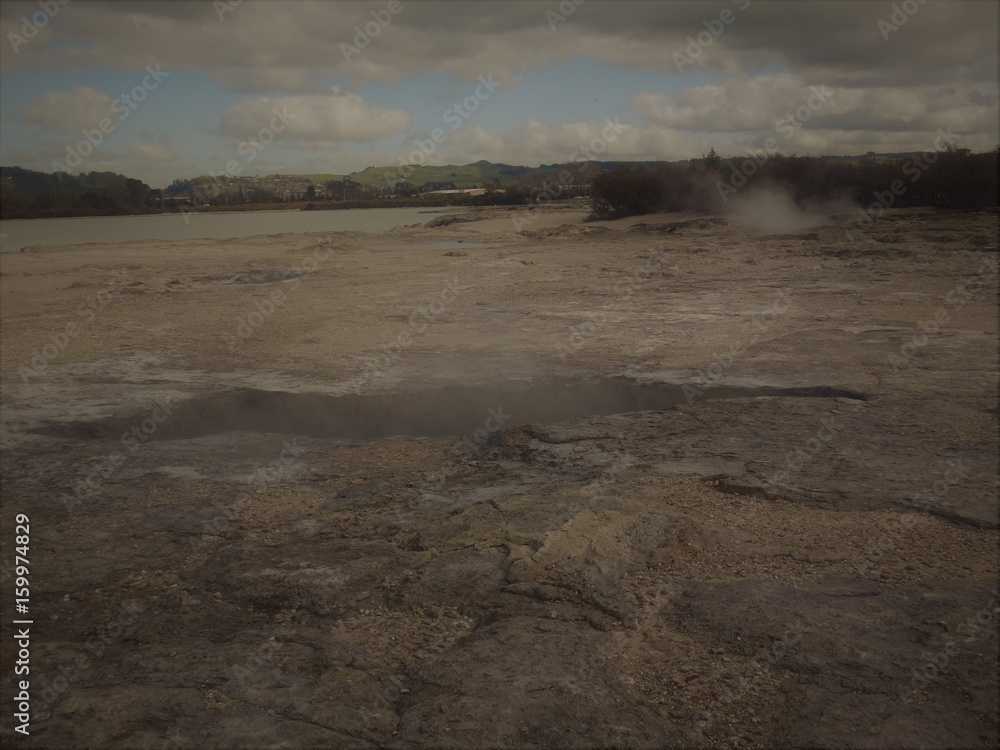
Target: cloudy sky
{"points": [[176, 89]]}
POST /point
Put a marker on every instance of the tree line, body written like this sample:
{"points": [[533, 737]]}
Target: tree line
{"points": [[25, 194], [947, 178]]}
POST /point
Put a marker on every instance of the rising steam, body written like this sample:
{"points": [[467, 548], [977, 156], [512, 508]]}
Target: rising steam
{"points": [[773, 209]]}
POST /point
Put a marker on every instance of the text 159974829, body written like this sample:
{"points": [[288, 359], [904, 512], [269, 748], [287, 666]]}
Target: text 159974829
{"points": [[22, 635]]}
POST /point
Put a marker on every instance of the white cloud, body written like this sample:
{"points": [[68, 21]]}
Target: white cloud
{"points": [[71, 111], [938, 71], [736, 105], [761, 104], [152, 152], [278, 47], [312, 118]]}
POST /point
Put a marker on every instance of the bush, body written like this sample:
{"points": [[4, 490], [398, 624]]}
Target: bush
{"points": [[953, 178], [627, 191]]}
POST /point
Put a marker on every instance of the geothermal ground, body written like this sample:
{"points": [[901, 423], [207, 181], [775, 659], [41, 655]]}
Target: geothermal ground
{"points": [[666, 482]]}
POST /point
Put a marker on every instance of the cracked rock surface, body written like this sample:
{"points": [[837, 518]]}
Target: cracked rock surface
{"points": [[667, 482]]}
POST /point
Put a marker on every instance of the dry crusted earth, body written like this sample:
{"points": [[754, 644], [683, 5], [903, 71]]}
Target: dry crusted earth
{"points": [[309, 544]]}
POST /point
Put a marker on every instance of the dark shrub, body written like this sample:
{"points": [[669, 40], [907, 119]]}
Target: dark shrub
{"points": [[953, 178]]}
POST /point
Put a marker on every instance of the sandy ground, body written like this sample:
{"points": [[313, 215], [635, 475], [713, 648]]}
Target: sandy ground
{"points": [[663, 482]]}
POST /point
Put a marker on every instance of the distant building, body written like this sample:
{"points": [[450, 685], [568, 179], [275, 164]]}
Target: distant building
{"points": [[466, 191], [429, 187]]}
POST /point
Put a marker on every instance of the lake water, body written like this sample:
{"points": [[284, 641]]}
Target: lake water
{"points": [[26, 232]]}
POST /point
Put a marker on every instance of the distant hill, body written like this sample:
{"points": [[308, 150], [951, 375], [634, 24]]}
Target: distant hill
{"points": [[468, 175], [483, 172], [477, 174]]}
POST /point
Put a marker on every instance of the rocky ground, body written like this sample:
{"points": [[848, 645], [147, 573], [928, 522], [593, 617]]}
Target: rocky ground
{"points": [[671, 481]]}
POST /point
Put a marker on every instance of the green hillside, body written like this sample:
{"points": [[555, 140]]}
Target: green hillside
{"points": [[321, 178], [467, 175], [486, 173]]}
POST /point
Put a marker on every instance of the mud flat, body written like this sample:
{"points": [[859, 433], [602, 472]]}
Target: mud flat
{"points": [[666, 482]]}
